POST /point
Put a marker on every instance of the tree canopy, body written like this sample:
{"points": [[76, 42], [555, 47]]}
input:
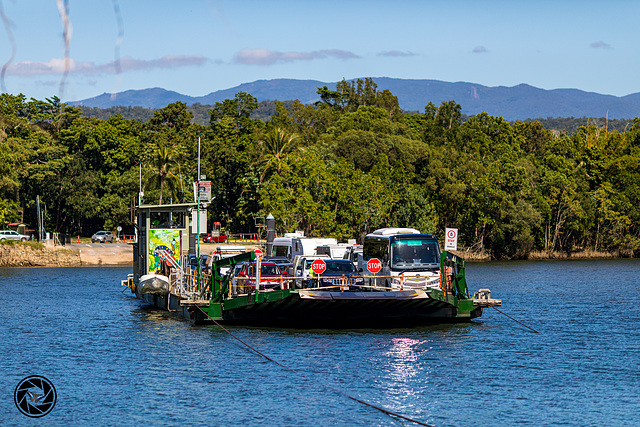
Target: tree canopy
{"points": [[349, 164]]}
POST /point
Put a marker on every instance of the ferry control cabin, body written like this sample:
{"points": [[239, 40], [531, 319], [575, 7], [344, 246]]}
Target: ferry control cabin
{"points": [[164, 232]]}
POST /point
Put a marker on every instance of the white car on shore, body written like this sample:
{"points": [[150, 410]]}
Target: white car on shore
{"points": [[13, 235]]}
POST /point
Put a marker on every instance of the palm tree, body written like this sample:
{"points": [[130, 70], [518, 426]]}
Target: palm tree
{"points": [[275, 145], [160, 172]]}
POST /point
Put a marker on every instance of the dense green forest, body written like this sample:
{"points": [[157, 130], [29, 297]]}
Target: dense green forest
{"points": [[350, 164], [267, 109]]}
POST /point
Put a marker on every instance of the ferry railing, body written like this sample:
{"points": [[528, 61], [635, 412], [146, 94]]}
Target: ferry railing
{"points": [[188, 283], [370, 282], [245, 285]]}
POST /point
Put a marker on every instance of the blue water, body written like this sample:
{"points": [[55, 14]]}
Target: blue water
{"points": [[114, 361]]}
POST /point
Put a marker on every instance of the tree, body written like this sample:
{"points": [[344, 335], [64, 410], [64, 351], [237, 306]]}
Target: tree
{"points": [[161, 171], [274, 145]]}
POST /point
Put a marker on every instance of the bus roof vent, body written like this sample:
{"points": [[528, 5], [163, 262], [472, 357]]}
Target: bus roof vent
{"points": [[395, 230]]}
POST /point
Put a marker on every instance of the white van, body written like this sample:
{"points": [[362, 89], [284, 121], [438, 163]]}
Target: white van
{"points": [[290, 247], [336, 251]]}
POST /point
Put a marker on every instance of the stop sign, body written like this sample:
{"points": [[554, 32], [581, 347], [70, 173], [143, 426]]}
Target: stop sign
{"points": [[258, 253], [318, 266], [374, 265]]}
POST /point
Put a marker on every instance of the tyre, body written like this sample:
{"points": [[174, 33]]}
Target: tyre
{"points": [[24, 239]]}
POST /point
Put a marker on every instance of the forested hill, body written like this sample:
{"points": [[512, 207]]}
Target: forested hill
{"points": [[519, 102]]}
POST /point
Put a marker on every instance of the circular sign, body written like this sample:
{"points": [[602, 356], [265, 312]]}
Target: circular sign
{"points": [[35, 396], [318, 266], [258, 253], [374, 265], [451, 234], [119, 228]]}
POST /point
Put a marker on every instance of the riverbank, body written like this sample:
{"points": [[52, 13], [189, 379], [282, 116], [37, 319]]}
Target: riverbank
{"points": [[33, 254], [37, 255], [483, 256]]}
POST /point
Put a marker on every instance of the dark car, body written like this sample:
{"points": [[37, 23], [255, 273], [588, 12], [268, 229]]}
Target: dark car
{"points": [[210, 238], [340, 272], [102, 237], [283, 262], [192, 261]]}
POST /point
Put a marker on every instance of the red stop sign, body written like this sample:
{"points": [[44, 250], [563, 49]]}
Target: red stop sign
{"points": [[374, 265], [318, 266], [258, 253]]}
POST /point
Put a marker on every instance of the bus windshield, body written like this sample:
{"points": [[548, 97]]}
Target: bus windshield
{"points": [[414, 254]]}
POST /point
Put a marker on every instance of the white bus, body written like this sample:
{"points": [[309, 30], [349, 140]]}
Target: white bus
{"points": [[411, 258]]}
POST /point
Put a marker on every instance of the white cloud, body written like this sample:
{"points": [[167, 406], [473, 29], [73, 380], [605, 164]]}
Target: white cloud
{"points": [[59, 65], [270, 57], [396, 53]]}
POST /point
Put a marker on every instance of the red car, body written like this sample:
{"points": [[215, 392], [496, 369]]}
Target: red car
{"points": [[270, 277], [209, 238]]}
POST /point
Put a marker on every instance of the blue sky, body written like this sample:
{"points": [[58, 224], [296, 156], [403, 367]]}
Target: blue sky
{"points": [[197, 46]]}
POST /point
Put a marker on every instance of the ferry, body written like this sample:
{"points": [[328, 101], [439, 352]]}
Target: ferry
{"points": [[434, 291]]}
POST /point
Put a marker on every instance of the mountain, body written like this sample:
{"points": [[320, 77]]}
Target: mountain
{"points": [[513, 103]]}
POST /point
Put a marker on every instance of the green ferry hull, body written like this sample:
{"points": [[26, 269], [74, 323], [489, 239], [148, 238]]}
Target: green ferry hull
{"points": [[338, 309]]}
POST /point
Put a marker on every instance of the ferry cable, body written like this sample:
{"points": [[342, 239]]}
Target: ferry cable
{"points": [[386, 411], [516, 320]]}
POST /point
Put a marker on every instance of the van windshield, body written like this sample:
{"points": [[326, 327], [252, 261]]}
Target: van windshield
{"points": [[281, 251]]}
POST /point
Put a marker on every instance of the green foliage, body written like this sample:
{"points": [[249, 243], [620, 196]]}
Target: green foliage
{"points": [[350, 164]]}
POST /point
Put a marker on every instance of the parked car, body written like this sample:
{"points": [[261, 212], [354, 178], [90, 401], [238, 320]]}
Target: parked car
{"points": [[210, 238], [245, 279], [102, 237], [192, 261], [340, 272], [13, 235], [283, 262], [302, 266]]}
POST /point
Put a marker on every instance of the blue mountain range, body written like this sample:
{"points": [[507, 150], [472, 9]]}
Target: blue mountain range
{"points": [[519, 102]]}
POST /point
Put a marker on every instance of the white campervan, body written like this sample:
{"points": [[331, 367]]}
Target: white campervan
{"points": [[298, 245]]}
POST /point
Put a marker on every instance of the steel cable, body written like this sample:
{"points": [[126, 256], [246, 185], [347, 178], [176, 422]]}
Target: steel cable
{"points": [[386, 411]]}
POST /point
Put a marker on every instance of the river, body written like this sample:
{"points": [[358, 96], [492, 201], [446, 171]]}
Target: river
{"points": [[114, 361]]}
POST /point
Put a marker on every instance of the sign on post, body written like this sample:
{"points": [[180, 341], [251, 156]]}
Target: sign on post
{"points": [[202, 191], [451, 239], [318, 266], [258, 253], [374, 265]]}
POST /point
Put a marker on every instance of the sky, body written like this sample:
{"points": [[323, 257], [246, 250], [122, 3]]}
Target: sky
{"points": [[196, 47]]}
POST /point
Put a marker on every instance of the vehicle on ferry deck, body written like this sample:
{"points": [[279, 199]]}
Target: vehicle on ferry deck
{"points": [[410, 258], [283, 262], [340, 272], [271, 277]]}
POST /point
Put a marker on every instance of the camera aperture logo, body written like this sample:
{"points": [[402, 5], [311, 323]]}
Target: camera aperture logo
{"points": [[35, 396]]}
